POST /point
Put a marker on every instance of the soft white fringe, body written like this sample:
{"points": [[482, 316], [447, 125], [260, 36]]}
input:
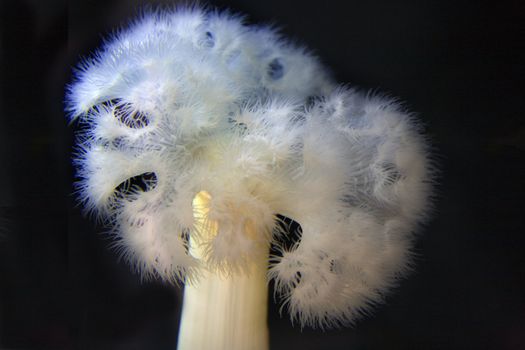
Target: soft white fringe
{"points": [[206, 103]]}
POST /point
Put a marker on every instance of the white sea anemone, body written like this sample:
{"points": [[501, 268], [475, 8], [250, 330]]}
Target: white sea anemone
{"points": [[196, 103]]}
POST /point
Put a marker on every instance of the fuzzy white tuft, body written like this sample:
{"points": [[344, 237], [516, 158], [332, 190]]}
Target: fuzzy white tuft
{"points": [[196, 101], [363, 188]]}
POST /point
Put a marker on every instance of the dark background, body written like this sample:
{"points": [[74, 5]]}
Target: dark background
{"points": [[458, 64]]}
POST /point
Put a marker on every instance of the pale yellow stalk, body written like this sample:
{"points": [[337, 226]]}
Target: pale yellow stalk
{"points": [[223, 311]]}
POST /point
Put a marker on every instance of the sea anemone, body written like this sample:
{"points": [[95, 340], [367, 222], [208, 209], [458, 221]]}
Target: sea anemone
{"points": [[199, 134]]}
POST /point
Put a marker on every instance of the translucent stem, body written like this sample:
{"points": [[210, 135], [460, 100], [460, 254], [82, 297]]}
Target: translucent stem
{"points": [[224, 311]]}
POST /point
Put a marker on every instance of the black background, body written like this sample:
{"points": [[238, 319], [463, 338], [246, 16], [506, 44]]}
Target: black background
{"points": [[458, 64]]}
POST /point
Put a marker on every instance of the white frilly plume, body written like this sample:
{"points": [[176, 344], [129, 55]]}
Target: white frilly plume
{"points": [[197, 101]]}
